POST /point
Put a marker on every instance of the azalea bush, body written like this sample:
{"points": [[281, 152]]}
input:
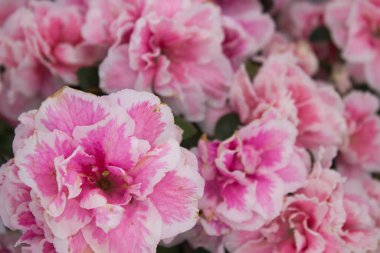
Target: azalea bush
{"points": [[224, 126]]}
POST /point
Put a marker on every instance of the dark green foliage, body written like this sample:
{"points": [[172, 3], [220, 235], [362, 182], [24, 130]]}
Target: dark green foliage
{"points": [[89, 80], [320, 34], [226, 126], [252, 68], [6, 139], [191, 132]]}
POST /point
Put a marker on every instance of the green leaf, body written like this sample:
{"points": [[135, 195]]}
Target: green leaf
{"points": [[6, 139], [88, 78], [226, 126], [188, 128], [320, 34], [161, 249], [252, 68]]}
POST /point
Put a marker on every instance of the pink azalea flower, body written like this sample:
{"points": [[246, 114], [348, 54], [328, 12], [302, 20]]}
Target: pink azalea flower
{"points": [[7, 7], [106, 174], [361, 230], [301, 50], [53, 33], [301, 18], [248, 175], [328, 214], [362, 145], [112, 21], [247, 29], [22, 211], [24, 81], [309, 222], [177, 53], [355, 29], [316, 111]]}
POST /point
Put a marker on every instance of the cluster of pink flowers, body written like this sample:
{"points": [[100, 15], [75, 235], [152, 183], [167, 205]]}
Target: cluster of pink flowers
{"points": [[296, 172]]}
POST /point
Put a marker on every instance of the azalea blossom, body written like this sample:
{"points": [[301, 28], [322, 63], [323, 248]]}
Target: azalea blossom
{"points": [[248, 175], [24, 80], [361, 147], [177, 53], [301, 50], [109, 22], [247, 29], [105, 174], [316, 110], [354, 26], [53, 33]]}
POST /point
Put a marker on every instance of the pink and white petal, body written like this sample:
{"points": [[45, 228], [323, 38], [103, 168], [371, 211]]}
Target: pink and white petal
{"points": [[69, 108], [73, 219], [358, 50], [273, 138], [372, 73], [294, 174], [73, 244], [360, 105], [115, 72], [260, 27], [92, 199], [153, 166], [110, 141], [237, 201], [269, 195], [139, 231], [336, 15], [215, 79], [25, 129], [176, 196], [108, 217], [146, 110], [37, 163]]}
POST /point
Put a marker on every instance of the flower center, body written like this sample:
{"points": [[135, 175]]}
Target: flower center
{"points": [[104, 183]]}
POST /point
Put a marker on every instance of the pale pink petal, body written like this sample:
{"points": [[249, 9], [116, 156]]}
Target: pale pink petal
{"points": [[139, 231], [175, 197], [70, 222], [115, 72], [68, 109], [153, 166], [146, 110]]}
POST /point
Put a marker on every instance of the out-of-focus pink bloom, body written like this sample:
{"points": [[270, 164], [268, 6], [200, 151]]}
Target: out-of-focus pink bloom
{"points": [[248, 175], [107, 174], [361, 230], [7, 7], [109, 22], [316, 111], [301, 18], [327, 214], [335, 16], [310, 221], [177, 53], [355, 27], [247, 29], [301, 50], [362, 145], [53, 34], [24, 81]]}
